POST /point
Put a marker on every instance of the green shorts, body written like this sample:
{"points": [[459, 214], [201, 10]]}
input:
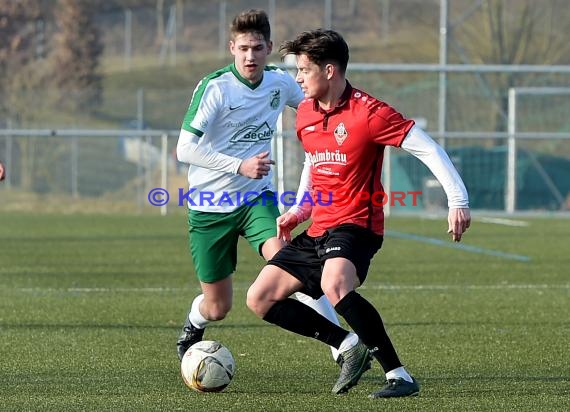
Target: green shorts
{"points": [[213, 237]]}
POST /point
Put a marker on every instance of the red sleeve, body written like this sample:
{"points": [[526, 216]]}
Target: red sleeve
{"points": [[387, 126], [301, 119]]}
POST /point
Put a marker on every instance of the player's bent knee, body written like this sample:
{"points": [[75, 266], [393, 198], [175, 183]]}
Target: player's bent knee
{"points": [[332, 292], [253, 301], [259, 300], [219, 311]]}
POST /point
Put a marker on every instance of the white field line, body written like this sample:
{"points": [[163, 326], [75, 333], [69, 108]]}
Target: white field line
{"points": [[375, 286], [459, 246], [505, 222], [101, 290], [466, 287]]}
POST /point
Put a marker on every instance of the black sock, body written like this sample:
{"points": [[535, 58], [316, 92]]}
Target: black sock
{"points": [[294, 316], [366, 322]]}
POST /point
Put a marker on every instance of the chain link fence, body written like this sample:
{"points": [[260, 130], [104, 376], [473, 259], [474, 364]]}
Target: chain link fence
{"points": [[117, 169]]}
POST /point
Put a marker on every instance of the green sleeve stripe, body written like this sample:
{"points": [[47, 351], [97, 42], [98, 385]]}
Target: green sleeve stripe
{"points": [[197, 132], [271, 67], [197, 99]]}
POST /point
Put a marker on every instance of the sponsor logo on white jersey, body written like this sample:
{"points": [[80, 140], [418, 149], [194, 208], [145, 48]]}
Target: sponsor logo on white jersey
{"points": [[253, 133]]}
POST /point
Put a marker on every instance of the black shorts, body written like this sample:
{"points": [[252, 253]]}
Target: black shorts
{"points": [[305, 256]]}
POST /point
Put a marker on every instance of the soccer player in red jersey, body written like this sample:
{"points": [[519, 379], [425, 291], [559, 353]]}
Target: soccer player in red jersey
{"points": [[344, 132]]}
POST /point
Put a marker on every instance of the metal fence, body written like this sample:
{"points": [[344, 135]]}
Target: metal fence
{"points": [[101, 170], [523, 168], [512, 157], [121, 170]]}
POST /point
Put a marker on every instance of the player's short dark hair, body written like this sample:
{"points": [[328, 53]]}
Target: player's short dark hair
{"points": [[251, 21], [320, 46]]}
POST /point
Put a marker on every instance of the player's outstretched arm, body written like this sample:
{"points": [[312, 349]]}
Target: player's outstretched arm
{"points": [[190, 151], [257, 166], [422, 146], [285, 225], [302, 208], [458, 219]]}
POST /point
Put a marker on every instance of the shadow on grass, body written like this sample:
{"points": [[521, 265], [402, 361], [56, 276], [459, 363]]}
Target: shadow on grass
{"points": [[95, 238], [242, 326], [48, 326]]}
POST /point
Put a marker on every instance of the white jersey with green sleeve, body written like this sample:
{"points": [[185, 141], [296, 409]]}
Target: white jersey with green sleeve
{"points": [[236, 118]]}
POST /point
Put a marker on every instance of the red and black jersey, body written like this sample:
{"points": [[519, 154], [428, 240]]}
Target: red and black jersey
{"points": [[346, 149]]}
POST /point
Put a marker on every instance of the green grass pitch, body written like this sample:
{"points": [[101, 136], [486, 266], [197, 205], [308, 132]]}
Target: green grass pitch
{"points": [[91, 306]]}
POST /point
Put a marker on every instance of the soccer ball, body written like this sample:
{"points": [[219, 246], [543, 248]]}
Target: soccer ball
{"points": [[207, 366]]}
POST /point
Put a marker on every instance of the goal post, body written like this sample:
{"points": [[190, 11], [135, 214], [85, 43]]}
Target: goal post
{"points": [[514, 135]]}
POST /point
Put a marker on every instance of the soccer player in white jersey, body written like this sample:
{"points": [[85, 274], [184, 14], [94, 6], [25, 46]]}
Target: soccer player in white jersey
{"points": [[226, 139]]}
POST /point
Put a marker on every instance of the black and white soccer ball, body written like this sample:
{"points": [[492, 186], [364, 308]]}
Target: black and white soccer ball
{"points": [[207, 366]]}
